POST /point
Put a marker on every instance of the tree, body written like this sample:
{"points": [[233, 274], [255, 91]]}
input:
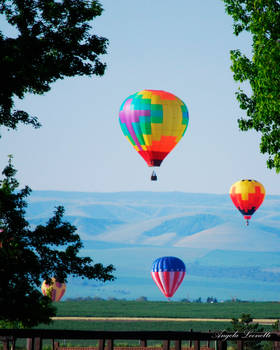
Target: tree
{"points": [[29, 256], [245, 324], [54, 41], [211, 300], [261, 18], [142, 299]]}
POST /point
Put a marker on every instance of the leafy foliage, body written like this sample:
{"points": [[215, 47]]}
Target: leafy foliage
{"points": [[261, 18], [29, 256], [54, 41], [244, 324]]}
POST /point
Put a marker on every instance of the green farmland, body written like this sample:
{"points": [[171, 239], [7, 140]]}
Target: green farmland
{"points": [[160, 310], [138, 326], [123, 308]]}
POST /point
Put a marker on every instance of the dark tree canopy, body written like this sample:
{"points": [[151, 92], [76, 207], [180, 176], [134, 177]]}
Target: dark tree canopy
{"points": [[54, 41], [29, 256], [261, 18]]}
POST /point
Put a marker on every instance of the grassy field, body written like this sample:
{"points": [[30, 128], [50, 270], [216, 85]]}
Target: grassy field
{"points": [[123, 308], [120, 308], [138, 325]]}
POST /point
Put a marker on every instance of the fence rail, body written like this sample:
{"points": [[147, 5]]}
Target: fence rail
{"points": [[106, 338]]}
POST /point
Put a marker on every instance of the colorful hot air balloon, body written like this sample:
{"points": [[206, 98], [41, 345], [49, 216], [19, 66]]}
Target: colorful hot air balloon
{"points": [[153, 121], [55, 290], [168, 273], [247, 196]]}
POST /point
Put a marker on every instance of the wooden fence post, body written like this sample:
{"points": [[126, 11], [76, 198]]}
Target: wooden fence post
{"points": [[110, 344], [190, 342], [208, 341], [166, 344], [29, 343], [143, 343], [222, 344], [101, 344], [197, 345], [38, 343], [6, 344], [178, 344]]}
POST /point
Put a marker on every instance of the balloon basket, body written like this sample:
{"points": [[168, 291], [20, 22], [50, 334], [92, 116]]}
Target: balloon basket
{"points": [[154, 176]]}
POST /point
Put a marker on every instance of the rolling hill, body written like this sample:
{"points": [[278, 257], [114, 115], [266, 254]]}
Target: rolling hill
{"points": [[131, 229]]}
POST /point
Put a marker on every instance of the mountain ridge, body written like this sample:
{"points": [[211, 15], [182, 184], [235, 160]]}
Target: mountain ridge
{"points": [[131, 229]]}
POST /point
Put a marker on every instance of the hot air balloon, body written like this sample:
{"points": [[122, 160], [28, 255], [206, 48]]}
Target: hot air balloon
{"points": [[247, 196], [153, 121], [168, 273], [55, 290]]}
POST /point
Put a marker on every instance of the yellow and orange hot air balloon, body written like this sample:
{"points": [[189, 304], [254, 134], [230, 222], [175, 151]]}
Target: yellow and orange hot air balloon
{"points": [[55, 290], [247, 196], [153, 121]]}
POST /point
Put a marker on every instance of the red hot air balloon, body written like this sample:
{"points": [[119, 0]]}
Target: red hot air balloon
{"points": [[247, 196], [168, 273]]}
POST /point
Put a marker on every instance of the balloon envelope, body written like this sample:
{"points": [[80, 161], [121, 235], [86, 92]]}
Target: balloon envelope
{"points": [[153, 121], [247, 196], [55, 290], [168, 273]]}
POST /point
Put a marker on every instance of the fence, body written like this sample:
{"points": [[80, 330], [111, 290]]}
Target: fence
{"points": [[106, 338]]}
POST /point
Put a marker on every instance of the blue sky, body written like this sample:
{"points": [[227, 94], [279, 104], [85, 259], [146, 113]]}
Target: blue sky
{"points": [[181, 47]]}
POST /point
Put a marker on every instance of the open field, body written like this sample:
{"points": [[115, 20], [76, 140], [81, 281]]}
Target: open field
{"points": [[114, 315], [261, 321], [153, 309], [137, 325], [143, 326]]}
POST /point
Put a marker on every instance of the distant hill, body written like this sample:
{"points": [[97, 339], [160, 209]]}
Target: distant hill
{"points": [[131, 229], [233, 236]]}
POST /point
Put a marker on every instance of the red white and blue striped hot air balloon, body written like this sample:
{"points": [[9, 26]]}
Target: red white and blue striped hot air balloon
{"points": [[168, 273]]}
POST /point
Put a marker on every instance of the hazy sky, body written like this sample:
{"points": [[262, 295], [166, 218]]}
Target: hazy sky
{"points": [[180, 46]]}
